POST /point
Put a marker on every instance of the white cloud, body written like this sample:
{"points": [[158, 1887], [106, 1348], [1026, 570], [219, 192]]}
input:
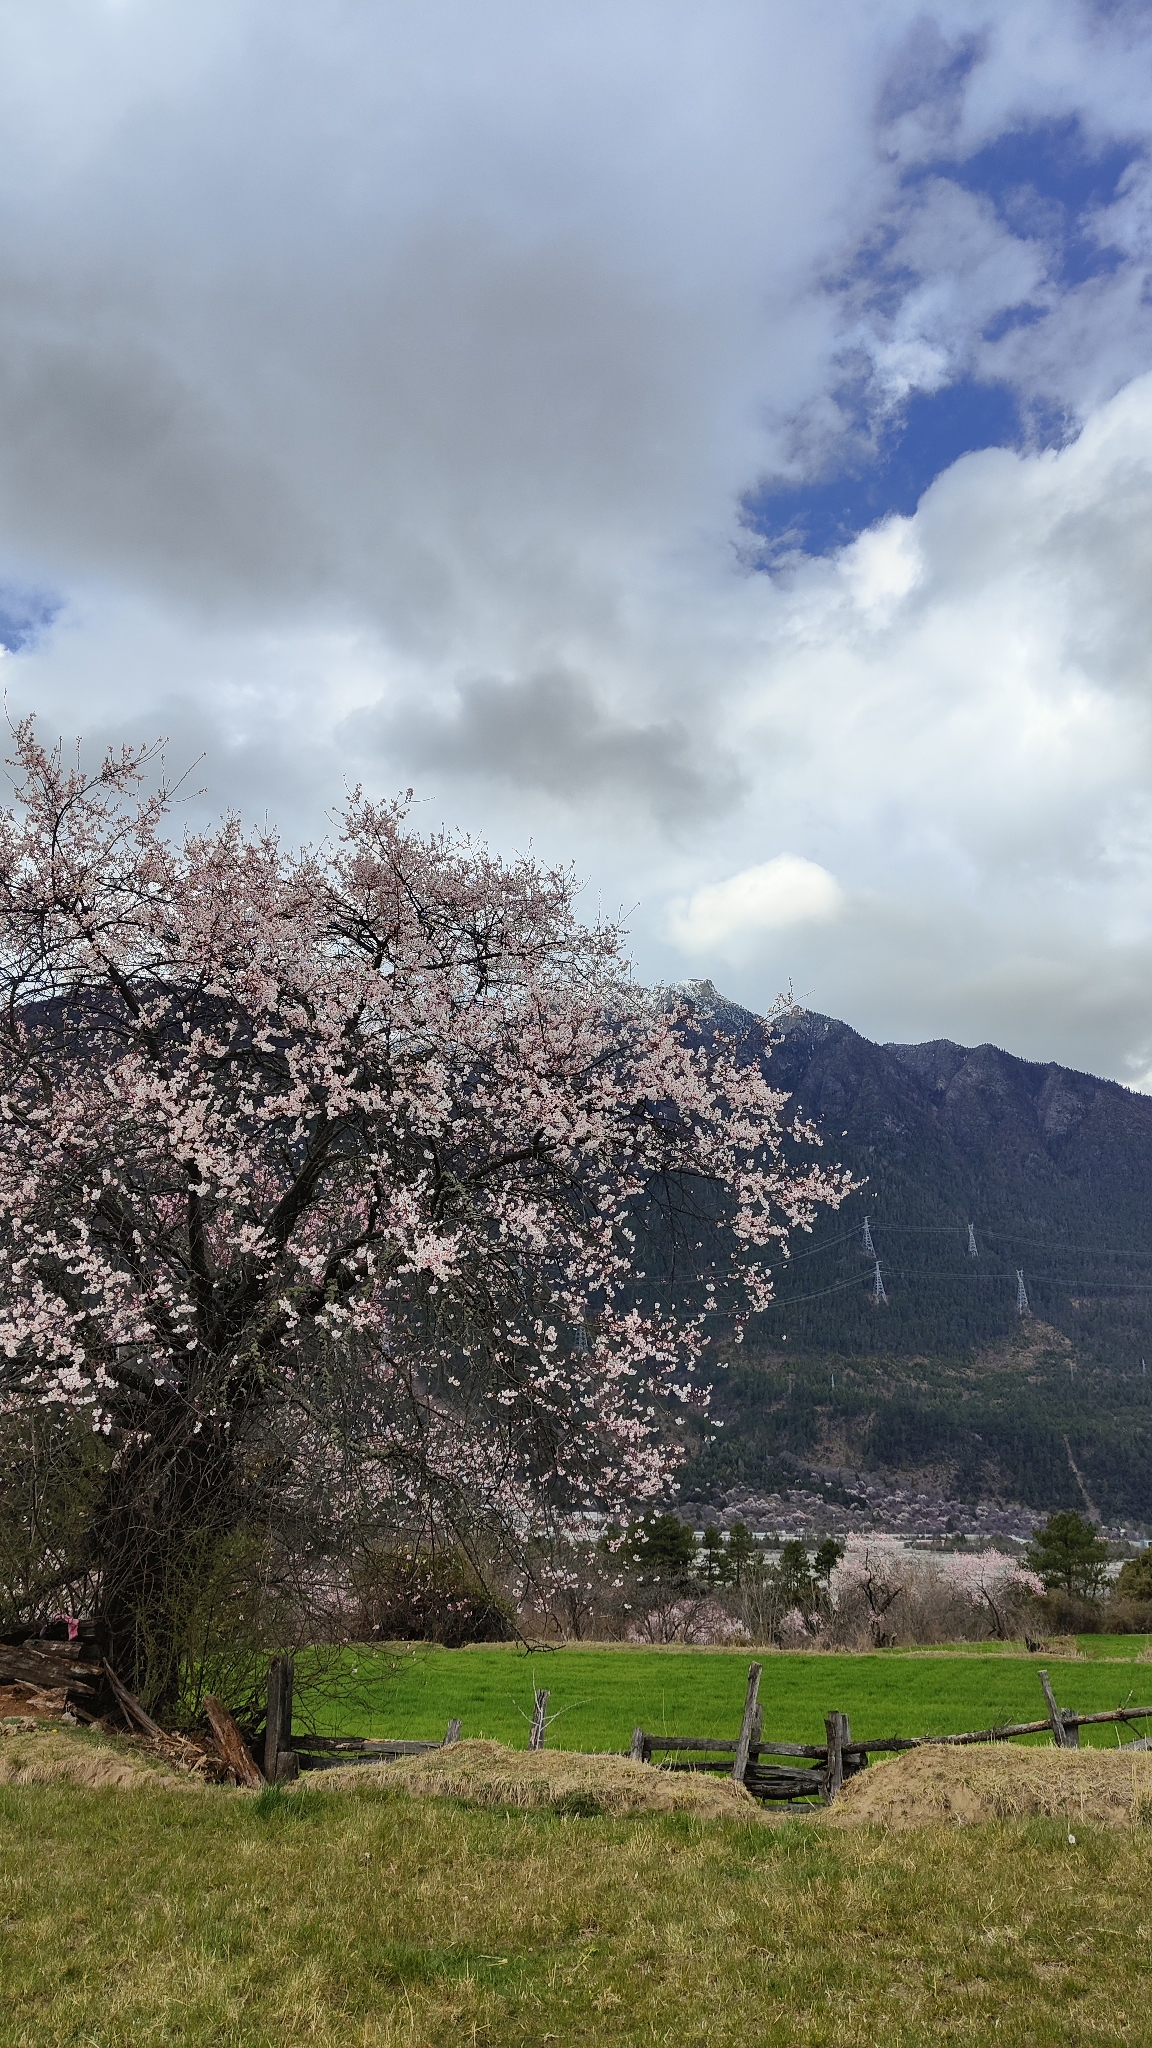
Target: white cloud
{"points": [[725, 919]]}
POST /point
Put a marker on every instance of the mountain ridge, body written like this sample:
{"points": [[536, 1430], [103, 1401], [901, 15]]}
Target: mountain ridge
{"points": [[1053, 1170]]}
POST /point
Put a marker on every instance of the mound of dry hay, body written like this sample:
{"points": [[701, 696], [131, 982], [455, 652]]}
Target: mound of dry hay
{"points": [[997, 1781], [49, 1756], [488, 1774]]}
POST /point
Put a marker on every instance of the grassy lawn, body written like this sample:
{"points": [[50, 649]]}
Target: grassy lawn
{"points": [[217, 1920], [605, 1693]]}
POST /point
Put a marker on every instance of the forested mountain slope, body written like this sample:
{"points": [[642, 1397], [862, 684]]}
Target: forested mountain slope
{"points": [[1053, 1169]]}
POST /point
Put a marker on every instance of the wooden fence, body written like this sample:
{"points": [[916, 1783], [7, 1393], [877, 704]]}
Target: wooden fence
{"points": [[818, 1770], [75, 1673]]}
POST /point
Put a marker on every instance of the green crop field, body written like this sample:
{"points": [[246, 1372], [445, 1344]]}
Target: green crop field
{"points": [[600, 1694]]}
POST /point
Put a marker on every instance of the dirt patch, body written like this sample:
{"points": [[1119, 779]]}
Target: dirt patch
{"points": [[997, 1781], [32, 1702], [488, 1774]]}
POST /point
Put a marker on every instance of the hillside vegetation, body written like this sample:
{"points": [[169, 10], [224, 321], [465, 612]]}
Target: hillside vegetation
{"points": [[945, 1379], [1016, 1421]]}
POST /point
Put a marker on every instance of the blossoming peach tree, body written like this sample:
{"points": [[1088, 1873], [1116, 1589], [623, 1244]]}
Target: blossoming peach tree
{"points": [[327, 1166]]}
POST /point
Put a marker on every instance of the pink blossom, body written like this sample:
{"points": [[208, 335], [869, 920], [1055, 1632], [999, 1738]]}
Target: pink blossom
{"points": [[385, 1103]]}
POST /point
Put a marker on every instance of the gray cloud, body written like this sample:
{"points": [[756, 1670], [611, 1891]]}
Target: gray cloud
{"points": [[549, 733]]}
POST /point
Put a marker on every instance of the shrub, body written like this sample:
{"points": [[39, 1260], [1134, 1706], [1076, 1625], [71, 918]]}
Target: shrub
{"points": [[687, 1621], [430, 1596]]}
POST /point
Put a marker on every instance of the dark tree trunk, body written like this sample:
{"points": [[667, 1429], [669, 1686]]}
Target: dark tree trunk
{"points": [[168, 1504]]}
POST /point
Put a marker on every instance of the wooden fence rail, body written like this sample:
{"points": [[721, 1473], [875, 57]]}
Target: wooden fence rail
{"points": [[324, 1752]]}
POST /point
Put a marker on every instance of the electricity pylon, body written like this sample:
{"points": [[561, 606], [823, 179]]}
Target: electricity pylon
{"points": [[878, 1294], [1021, 1294], [973, 1247], [866, 1244]]}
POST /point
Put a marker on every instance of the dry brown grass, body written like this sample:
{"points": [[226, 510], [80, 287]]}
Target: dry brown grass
{"points": [[91, 1763], [997, 1781], [488, 1774]]}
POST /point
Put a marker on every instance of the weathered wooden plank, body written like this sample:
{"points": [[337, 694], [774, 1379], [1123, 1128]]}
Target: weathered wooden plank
{"points": [[768, 1781], [1002, 1734], [129, 1706], [230, 1743], [1113, 1714], [748, 1727], [1055, 1717], [278, 1725], [785, 1785], [52, 1646], [726, 1746], [838, 1733], [691, 1742], [36, 1667]]}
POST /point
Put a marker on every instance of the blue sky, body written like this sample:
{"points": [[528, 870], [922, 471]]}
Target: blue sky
{"points": [[1047, 182], [713, 445]]}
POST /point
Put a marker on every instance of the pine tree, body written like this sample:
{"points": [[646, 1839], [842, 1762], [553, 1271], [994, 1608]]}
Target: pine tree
{"points": [[714, 1562], [742, 1552], [1068, 1555]]}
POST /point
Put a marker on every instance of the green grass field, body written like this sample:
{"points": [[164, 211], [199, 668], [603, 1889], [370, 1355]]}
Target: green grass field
{"points": [[192, 1919], [601, 1694]]}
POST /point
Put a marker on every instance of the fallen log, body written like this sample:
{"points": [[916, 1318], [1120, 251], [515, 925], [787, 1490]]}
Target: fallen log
{"points": [[230, 1743]]}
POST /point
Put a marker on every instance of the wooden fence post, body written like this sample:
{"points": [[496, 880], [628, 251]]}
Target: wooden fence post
{"points": [[638, 1746], [539, 1721], [453, 1734], [748, 1725], [278, 1725], [1060, 1734], [837, 1727]]}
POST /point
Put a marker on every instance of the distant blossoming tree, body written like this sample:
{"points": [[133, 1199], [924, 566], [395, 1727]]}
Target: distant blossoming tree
{"points": [[329, 1160], [881, 1578]]}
